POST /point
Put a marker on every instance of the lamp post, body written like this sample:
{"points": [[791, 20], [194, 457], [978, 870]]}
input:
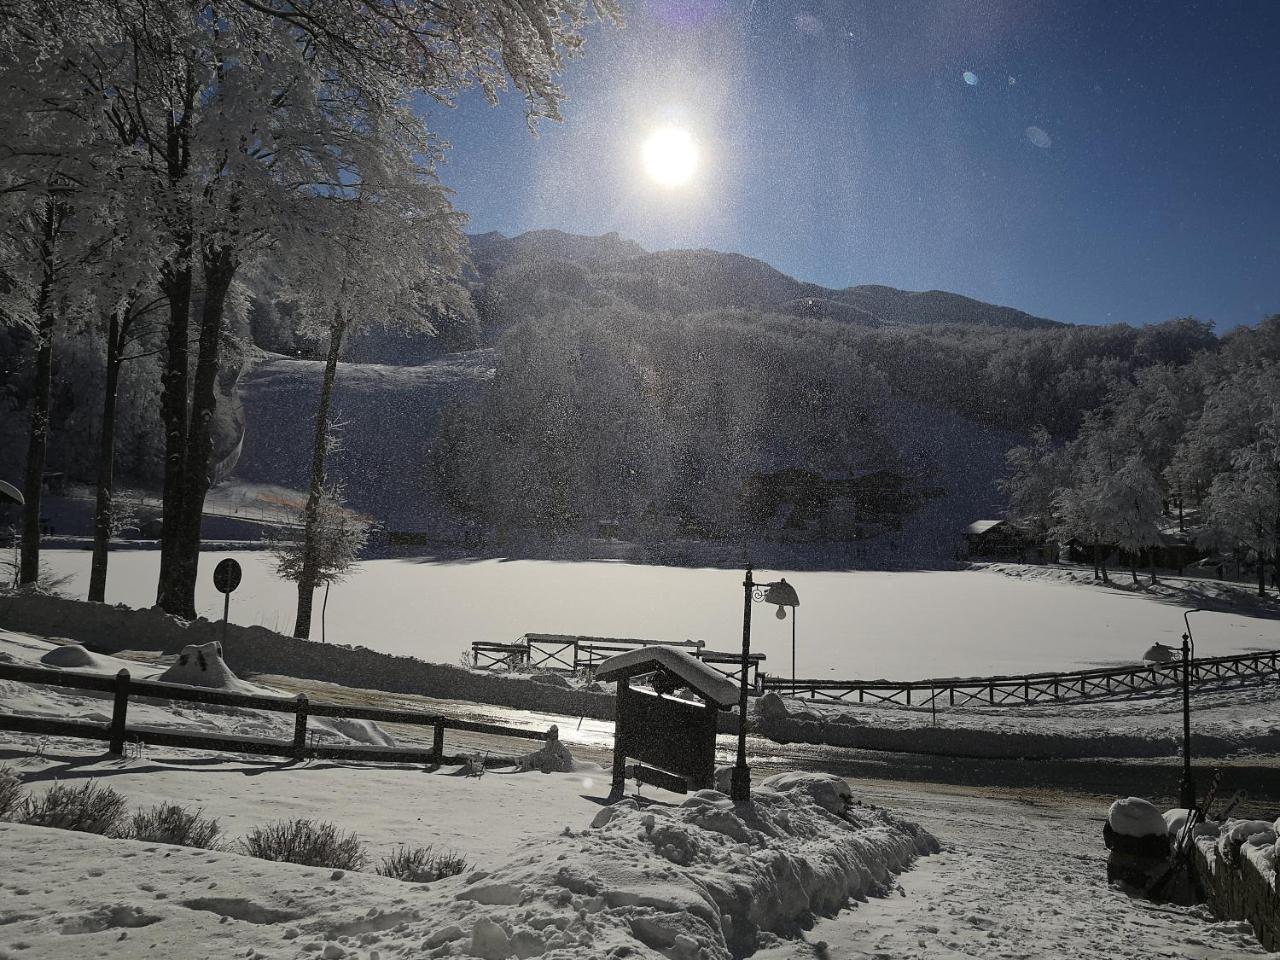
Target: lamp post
{"points": [[783, 595], [1187, 789], [1159, 653]]}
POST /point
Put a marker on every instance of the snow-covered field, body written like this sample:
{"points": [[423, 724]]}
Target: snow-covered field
{"points": [[851, 625]]}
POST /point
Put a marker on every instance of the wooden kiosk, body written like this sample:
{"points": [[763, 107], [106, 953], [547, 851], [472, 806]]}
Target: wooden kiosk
{"points": [[676, 736]]}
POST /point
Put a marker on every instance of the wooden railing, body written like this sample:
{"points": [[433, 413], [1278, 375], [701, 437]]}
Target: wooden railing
{"points": [[119, 731], [566, 653], [1099, 684]]}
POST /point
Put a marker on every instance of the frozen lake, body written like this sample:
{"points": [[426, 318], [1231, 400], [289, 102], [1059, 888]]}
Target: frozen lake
{"points": [[851, 625]]}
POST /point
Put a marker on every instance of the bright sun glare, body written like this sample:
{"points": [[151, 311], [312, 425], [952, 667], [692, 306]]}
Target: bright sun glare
{"points": [[670, 156]]}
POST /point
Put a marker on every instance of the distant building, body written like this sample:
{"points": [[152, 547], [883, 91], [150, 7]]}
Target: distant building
{"points": [[996, 540]]}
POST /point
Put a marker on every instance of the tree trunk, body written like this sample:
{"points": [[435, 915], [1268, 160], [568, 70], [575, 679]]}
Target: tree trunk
{"points": [[310, 561], [106, 462], [38, 441], [1102, 564], [1133, 566], [173, 411], [1262, 576], [219, 270]]}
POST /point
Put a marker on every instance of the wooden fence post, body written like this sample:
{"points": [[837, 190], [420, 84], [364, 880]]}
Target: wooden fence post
{"points": [[437, 743], [300, 728], [119, 713]]}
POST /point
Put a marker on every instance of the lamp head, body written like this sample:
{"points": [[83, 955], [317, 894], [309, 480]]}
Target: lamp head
{"points": [[783, 595]]}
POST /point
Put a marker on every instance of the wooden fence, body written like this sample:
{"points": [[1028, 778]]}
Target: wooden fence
{"points": [[565, 653], [119, 732], [1101, 684]]}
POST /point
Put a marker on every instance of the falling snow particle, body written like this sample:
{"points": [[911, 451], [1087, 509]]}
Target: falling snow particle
{"points": [[970, 78]]}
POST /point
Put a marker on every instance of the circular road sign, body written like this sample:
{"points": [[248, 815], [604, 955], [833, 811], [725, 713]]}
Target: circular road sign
{"points": [[226, 575]]}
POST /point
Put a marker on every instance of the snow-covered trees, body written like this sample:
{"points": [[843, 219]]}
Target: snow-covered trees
{"points": [[1203, 436], [227, 124]]}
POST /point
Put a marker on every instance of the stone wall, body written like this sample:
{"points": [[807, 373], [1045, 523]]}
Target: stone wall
{"points": [[1238, 889]]}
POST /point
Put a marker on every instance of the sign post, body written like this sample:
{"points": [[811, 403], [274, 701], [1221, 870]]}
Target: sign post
{"points": [[226, 577]]}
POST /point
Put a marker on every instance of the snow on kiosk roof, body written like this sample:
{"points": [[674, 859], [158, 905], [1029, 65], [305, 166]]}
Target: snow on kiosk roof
{"points": [[710, 684]]}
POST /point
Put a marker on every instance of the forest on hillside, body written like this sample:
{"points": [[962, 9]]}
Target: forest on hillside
{"points": [[736, 421]]}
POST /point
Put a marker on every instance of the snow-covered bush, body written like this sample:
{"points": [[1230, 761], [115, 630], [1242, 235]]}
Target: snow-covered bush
{"points": [[421, 864], [11, 793], [312, 843], [87, 808], [172, 823]]}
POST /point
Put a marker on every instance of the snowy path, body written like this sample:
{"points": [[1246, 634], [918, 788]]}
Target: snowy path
{"points": [[1018, 878]]}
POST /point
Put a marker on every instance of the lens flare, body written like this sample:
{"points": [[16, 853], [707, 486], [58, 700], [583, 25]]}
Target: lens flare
{"points": [[1039, 138]]}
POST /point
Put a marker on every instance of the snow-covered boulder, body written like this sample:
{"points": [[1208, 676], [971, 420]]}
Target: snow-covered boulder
{"points": [[1136, 817], [72, 655], [830, 792]]}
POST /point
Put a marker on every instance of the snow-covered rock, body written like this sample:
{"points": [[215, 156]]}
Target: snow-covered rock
{"points": [[1136, 817]]}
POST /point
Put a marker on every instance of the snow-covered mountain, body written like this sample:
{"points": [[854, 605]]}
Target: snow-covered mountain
{"points": [[683, 281]]}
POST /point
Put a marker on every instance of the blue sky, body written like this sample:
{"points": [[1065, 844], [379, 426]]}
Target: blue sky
{"points": [[1113, 162]]}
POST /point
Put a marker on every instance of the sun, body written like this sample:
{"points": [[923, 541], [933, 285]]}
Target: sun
{"points": [[670, 156]]}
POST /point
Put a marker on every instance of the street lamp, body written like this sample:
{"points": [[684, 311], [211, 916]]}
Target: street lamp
{"points": [[1159, 653], [783, 595]]}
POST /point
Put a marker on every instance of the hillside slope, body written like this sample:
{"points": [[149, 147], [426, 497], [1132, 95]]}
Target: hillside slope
{"points": [[386, 418]]}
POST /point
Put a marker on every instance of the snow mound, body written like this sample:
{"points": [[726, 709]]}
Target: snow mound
{"points": [[360, 731], [1234, 833], [74, 656], [201, 665], [1135, 817], [552, 757], [828, 791], [1175, 820]]}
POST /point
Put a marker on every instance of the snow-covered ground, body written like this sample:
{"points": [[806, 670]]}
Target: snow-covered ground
{"points": [[550, 870], [850, 625], [1020, 876]]}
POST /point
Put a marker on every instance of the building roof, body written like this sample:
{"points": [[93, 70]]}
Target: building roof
{"points": [[710, 684], [9, 492], [982, 526]]}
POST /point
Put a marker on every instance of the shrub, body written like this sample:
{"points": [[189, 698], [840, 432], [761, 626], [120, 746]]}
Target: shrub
{"points": [[421, 864], [171, 823], [11, 792], [312, 843], [87, 808]]}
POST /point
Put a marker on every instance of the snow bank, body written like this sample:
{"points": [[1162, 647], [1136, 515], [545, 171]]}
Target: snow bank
{"points": [[700, 881], [250, 650]]}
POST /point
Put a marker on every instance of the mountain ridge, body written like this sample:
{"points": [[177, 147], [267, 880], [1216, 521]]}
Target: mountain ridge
{"points": [[689, 280]]}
